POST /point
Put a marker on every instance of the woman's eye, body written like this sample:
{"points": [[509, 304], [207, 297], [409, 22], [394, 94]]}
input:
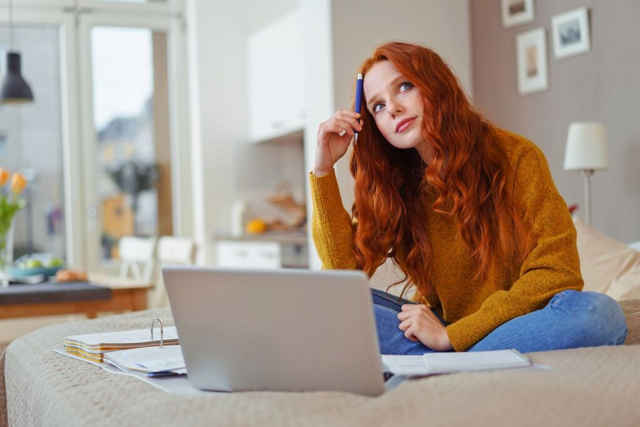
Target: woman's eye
{"points": [[406, 86], [375, 107]]}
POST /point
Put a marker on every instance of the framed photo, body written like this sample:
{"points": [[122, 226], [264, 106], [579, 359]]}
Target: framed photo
{"points": [[516, 12], [571, 33], [532, 61]]}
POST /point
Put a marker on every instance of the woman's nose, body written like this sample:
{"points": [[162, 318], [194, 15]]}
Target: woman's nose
{"points": [[394, 108]]}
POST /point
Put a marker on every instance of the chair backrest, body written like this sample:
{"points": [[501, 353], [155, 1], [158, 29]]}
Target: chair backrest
{"points": [[134, 252], [171, 251], [176, 250]]}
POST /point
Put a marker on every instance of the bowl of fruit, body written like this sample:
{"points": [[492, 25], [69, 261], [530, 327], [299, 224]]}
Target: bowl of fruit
{"points": [[34, 264]]}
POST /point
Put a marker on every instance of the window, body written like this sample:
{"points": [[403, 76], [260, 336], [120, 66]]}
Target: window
{"points": [[31, 140], [104, 75]]}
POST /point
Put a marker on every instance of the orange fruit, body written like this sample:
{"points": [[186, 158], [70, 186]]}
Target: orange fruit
{"points": [[256, 226]]}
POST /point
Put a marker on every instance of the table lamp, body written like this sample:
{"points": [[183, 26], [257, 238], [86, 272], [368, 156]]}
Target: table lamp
{"points": [[586, 152]]}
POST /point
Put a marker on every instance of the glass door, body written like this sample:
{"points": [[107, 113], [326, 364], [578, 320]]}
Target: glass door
{"points": [[127, 135]]}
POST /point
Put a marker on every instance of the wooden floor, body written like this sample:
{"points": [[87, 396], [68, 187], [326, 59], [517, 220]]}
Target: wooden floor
{"points": [[3, 345]]}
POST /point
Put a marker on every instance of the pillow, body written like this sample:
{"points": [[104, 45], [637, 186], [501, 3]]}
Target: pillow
{"points": [[607, 265]]}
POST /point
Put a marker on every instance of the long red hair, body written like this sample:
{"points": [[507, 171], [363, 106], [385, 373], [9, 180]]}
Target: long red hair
{"points": [[468, 171]]}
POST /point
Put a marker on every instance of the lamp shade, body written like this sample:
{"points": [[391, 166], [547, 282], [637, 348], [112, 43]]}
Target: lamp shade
{"points": [[13, 88], [586, 147]]}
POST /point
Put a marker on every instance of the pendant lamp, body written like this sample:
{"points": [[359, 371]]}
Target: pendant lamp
{"points": [[13, 88]]}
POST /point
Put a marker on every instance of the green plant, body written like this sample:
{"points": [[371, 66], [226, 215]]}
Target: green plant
{"points": [[10, 204], [134, 177]]}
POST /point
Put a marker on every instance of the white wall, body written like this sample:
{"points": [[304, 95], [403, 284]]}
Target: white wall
{"points": [[600, 86], [218, 33]]}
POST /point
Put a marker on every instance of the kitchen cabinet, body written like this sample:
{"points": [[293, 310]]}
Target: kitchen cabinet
{"points": [[266, 251], [276, 79], [255, 255]]}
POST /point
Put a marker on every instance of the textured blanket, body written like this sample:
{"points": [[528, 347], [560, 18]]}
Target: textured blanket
{"points": [[588, 386]]}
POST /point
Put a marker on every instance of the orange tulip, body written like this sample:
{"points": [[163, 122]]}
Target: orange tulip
{"points": [[18, 183], [4, 176]]}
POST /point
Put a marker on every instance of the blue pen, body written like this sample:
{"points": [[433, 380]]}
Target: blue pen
{"points": [[358, 102]]}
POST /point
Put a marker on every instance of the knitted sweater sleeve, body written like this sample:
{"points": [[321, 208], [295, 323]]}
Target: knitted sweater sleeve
{"points": [[331, 225]]}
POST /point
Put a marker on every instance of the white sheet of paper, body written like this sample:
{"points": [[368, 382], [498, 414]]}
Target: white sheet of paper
{"points": [[408, 366], [153, 359], [174, 384], [440, 363]]}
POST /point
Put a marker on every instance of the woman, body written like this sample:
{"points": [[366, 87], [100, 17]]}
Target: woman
{"points": [[469, 212]]}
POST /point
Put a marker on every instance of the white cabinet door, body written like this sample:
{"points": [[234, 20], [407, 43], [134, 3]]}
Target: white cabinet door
{"points": [[276, 79], [251, 255]]}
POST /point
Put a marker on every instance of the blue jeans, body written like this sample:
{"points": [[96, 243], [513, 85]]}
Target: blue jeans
{"points": [[571, 319]]}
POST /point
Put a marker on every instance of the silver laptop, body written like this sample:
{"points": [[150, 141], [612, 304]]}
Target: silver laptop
{"points": [[280, 330]]}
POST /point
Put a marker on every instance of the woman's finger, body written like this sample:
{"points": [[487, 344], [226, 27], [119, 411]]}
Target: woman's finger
{"points": [[344, 126], [335, 128], [405, 324], [412, 307], [406, 314], [352, 121], [348, 113], [409, 335], [350, 124]]}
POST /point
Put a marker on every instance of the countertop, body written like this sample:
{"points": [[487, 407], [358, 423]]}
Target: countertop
{"points": [[298, 237]]}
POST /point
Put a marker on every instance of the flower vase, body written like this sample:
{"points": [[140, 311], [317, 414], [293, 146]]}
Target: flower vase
{"points": [[6, 251]]}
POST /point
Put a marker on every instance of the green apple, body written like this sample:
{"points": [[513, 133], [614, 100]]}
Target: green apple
{"points": [[33, 263], [55, 262]]}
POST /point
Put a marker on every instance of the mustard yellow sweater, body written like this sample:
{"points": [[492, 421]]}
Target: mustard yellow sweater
{"points": [[474, 308]]}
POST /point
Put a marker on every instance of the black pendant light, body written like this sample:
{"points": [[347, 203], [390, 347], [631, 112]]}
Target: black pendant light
{"points": [[13, 88]]}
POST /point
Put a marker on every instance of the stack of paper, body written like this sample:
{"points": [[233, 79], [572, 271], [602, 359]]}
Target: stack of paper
{"points": [[149, 361], [442, 363], [93, 347]]}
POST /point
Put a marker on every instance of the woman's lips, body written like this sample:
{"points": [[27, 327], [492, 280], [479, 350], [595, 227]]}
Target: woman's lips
{"points": [[404, 125]]}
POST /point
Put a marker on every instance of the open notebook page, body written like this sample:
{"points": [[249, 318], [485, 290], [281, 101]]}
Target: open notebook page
{"points": [[440, 363]]}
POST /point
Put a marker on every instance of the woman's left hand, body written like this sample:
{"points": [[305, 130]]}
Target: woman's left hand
{"points": [[420, 324]]}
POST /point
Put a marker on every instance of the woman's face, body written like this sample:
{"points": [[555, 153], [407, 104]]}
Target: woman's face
{"points": [[395, 104]]}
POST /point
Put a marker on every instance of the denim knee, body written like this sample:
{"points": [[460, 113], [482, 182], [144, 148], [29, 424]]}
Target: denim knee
{"points": [[598, 316]]}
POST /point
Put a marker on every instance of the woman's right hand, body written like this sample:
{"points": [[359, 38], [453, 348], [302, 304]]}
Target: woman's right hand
{"points": [[331, 144]]}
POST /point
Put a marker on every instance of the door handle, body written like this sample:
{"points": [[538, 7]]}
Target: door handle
{"points": [[92, 212]]}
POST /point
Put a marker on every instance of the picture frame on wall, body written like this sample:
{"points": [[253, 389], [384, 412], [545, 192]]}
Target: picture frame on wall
{"points": [[571, 33], [532, 61], [517, 12]]}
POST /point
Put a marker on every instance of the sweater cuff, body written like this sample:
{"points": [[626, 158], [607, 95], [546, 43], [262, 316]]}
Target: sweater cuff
{"points": [[461, 335], [323, 177], [326, 189]]}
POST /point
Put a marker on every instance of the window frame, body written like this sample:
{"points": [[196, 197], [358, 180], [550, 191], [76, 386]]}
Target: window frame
{"points": [[75, 19]]}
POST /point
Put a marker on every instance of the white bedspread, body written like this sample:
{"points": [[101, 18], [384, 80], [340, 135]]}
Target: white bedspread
{"points": [[589, 386]]}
